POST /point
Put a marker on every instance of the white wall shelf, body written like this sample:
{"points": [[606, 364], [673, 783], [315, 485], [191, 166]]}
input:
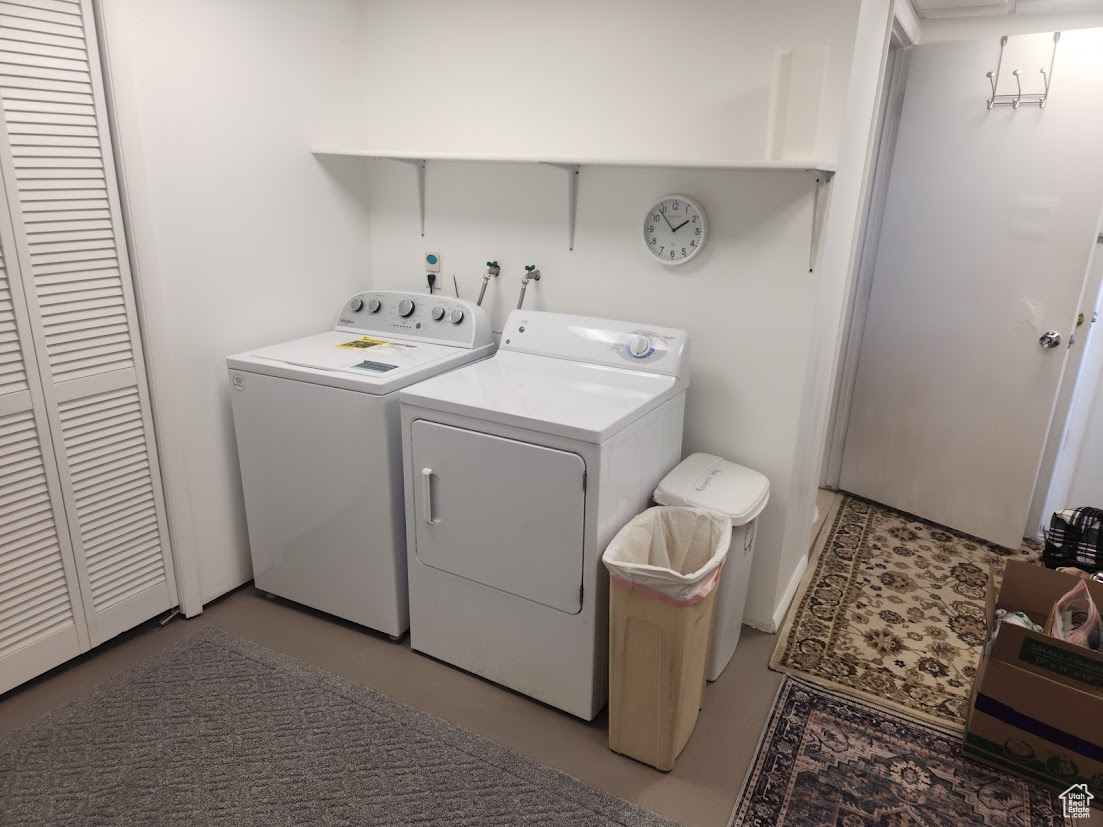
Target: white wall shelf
{"points": [[823, 171]]}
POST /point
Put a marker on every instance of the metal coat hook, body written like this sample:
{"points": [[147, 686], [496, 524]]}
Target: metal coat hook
{"points": [[1021, 97]]}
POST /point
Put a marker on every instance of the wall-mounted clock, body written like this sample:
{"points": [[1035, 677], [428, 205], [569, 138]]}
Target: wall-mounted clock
{"points": [[675, 229]]}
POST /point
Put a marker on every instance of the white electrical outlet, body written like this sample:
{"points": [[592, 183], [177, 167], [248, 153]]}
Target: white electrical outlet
{"points": [[432, 262]]}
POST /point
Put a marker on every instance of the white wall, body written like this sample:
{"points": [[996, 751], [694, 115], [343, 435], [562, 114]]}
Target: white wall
{"points": [[592, 79], [841, 236], [577, 77], [240, 238], [230, 212]]}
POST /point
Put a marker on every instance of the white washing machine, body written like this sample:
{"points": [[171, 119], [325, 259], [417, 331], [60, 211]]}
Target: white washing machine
{"points": [[318, 439], [519, 471]]}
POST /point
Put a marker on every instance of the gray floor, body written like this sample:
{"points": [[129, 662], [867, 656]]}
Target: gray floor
{"points": [[699, 792]]}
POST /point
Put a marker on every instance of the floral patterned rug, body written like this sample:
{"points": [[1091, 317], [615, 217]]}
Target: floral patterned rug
{"points": [[892, 610], [832, 761]]}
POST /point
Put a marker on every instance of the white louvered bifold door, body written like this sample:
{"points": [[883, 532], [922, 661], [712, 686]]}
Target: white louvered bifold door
{"points": [[56, 163], [42, 620]]}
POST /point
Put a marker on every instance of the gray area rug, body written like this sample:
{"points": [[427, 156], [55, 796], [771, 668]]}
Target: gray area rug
{"points": [[216, 730]]}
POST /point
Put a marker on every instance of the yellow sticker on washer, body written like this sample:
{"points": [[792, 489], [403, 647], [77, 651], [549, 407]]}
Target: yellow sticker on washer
{"points": [[362, 343]]}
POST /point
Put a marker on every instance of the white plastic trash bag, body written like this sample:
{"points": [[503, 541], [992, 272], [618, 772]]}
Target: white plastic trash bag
{"points": [[674, 552]]}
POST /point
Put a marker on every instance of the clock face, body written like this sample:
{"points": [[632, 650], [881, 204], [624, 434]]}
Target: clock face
{"points": [[675, 229]]}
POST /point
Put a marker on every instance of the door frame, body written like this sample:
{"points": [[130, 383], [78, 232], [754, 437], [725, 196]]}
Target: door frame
{"points": [[889, 109], [1082, 374]]}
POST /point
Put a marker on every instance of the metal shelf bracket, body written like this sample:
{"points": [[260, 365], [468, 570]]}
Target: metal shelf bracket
{"points": [[419, 166], [572, 171], [823, 178]]}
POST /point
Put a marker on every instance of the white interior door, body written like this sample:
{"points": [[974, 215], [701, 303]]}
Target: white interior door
{"points": [[988, 227], [500, 512], [62, 193]]}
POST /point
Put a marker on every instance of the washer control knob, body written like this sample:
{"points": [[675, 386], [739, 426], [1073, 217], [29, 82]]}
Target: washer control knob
{"points": [[374, 305], [356, 305], [406, 308], [456, 316], [438, 314], [639, 346]]}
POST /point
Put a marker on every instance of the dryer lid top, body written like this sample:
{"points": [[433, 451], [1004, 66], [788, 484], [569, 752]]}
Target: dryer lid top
{"points": [[576, 400]]}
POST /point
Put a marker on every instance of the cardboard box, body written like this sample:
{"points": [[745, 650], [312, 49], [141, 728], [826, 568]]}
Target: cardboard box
{"points": [[1037, 703]]}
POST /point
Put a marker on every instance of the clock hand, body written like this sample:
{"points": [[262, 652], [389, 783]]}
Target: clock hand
{"points": [[675, 229], [667, 220]]}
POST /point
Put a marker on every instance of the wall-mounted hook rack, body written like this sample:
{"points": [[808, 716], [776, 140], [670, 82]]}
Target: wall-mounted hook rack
{"points": [[1020, 97]]}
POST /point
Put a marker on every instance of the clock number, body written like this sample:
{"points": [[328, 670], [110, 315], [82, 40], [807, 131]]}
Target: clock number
{"points": [[697, 231], [684, 253], [654, 240], [651, 228], [693, 244], [662, 209], [661, 250], [671, 255], [696, 218]]}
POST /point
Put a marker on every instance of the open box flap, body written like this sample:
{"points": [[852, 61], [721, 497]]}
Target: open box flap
{"points": [[1034, 589]]}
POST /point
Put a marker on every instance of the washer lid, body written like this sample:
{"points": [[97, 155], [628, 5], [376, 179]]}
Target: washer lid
{"points": [[367, 363], [705, 481], [571, 399]]}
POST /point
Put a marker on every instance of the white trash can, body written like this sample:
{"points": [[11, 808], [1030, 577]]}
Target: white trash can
{"points": [[706, 481]]}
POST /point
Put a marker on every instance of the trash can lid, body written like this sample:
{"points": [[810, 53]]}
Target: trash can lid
{"points": [[706, 481]]}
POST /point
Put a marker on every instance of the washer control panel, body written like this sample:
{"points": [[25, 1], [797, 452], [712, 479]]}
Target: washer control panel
{"points": [[416, 316]]}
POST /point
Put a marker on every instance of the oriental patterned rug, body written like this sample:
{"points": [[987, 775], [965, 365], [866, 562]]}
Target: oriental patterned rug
{"points": [[892, 610], [826, 760]]}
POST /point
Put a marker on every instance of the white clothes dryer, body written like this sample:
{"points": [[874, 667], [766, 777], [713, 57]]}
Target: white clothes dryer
{"points": [[519, 470], [319, 444]]}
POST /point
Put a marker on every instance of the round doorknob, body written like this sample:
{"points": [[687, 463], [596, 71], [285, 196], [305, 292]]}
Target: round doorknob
{"points": [[1050, 339]]}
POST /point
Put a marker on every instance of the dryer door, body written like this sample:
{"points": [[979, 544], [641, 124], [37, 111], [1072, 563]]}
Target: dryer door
{"points": [[500, 512]]}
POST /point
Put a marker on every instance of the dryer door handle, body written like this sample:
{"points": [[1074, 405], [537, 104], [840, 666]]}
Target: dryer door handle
{"points": [[427, 496]]}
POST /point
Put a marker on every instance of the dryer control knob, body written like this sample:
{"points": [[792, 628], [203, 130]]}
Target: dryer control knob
{"points": [[356, 305], [438, 314], [405, 308], [374, 305], [456, 316], [639, 347]]}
